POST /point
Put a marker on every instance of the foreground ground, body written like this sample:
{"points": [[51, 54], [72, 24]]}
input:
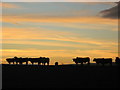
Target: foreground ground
{"points": [[63, 76]]}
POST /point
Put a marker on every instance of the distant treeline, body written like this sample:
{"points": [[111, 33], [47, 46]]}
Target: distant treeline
{"points": [[46, 60]]}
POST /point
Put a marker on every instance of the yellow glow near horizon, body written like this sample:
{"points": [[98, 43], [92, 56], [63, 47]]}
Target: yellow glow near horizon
{"points": [[30, 31]]}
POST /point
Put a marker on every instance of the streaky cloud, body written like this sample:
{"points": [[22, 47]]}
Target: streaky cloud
{"points": [[8, 5]]}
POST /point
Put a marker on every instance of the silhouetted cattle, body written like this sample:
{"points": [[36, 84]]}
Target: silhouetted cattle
{"points": [[81, 60], [103, 61], [10, 60], [41, 60], [17, 60], [21, 60], [117, 60]]}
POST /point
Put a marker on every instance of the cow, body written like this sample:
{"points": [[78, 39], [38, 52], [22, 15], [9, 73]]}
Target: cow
{"points": [[81, 60], [44, 60], [117, 60], [17, 60], [33, 60], [40, 60], [10, 60], [21, 60], [103, 61]]}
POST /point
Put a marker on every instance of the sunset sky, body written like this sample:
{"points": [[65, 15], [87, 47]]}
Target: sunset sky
{"points": [[59, 30]]}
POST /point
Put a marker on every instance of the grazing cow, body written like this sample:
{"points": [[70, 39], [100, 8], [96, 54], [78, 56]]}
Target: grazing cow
{"points": [[33, 60], [103, 61], [117, 60], [81, 60], [40, 60]]}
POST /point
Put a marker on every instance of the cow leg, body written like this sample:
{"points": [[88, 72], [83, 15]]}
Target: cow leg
{"points": [[44, 63], [88, 63], [20, 63], [76, 63], [13, 62], [27, 63], [39, 63], [81, 63]]}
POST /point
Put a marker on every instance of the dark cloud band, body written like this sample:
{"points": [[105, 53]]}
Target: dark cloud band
{"points": [[112, 12]]}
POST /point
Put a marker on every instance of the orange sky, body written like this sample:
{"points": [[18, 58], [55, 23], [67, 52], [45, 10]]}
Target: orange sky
{"points": [[59, 33]]}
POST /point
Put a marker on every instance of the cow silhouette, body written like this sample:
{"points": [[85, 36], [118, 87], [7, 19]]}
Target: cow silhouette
{"points": [[10, 60], [17, 60], [41, 60], [117, 60], [21, 60], [103, 61], [81, 60]]}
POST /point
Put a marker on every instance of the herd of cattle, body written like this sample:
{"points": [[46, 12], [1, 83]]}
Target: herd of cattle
{"points": [[41, 60], [77, 60]]}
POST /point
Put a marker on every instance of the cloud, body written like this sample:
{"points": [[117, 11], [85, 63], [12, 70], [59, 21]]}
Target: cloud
{"points": [[112, 13], [39, 19], [8, 5], [39, 33]]}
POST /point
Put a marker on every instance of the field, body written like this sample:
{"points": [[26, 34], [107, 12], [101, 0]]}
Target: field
{"points": [[62, 76]]}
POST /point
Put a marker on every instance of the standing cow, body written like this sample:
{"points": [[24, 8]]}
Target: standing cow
{"points": [[81, 60], [117, 60], [41, 60], [10, 60], [22, 60], [44, 60], [103, 61], [17, 60]]}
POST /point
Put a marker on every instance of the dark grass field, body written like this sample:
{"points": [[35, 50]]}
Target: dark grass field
{"points": [[62, 76]]}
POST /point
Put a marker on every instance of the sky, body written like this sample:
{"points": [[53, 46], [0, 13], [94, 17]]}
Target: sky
{"points": [[59, 0], [59, 30]]}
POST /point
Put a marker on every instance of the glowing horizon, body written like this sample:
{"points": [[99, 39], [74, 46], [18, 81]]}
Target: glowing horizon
{"points": [[60, 31]]}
